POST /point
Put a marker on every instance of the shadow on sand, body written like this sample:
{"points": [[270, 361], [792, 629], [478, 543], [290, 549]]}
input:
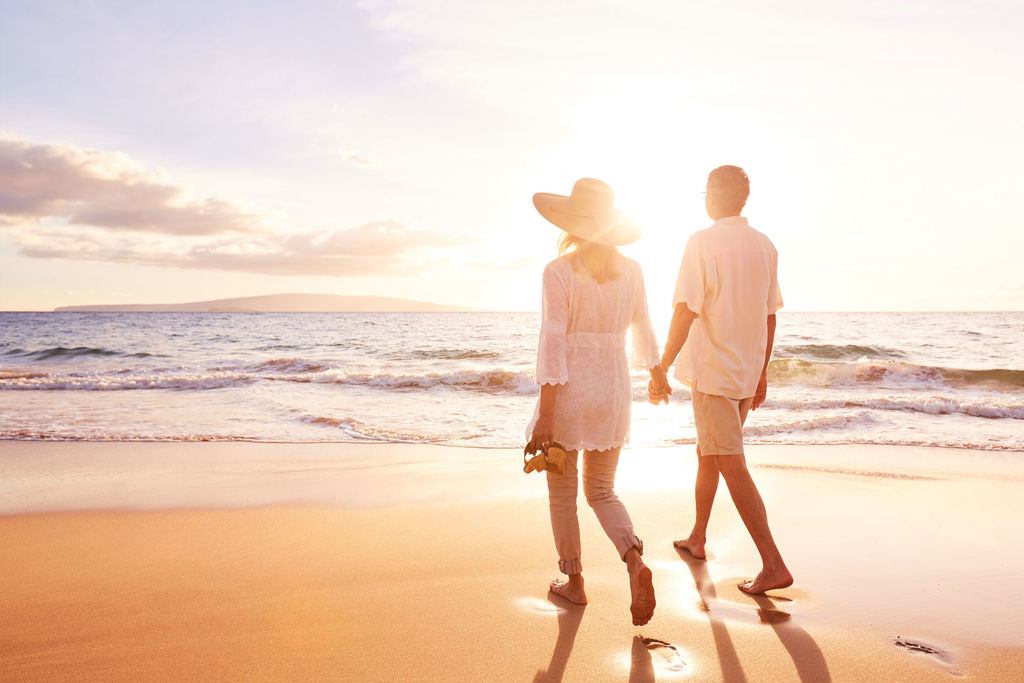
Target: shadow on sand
{"points": [[569, 618], [806, 655]]}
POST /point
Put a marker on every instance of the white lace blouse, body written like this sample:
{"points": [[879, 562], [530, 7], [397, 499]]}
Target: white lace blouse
{"points": [[582, 349]]}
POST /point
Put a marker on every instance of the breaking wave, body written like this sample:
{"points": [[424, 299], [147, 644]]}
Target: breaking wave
{"points": [[491, 381], [277, 370], [897, 374], [930, 405], [70, 353], [860, 419], [837, 351], [351, 429]]}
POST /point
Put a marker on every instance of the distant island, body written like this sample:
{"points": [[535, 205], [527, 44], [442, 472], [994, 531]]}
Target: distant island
{"points": [[279, 303]]}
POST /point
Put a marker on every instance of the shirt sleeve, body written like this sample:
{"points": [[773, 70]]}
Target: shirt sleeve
{"points": [[690, 285], [774, 293], [646, 353], [551, 350]]}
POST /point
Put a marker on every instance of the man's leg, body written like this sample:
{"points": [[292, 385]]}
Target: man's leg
{"points": [[704, 489], [749, 504]]}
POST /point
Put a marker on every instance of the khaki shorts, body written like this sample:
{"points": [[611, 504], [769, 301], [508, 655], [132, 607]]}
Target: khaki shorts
{"points": [[719, 421]]}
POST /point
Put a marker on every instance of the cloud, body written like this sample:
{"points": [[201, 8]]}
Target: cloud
{"points": [[66, 203], [104, 190], [360, 159], [376, 248]]}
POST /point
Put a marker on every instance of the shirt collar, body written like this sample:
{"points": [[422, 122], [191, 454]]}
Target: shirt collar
{"points": [[732, 222]]}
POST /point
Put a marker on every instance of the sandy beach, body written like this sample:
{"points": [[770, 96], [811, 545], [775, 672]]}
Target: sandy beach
{"points": [[227, 561]]}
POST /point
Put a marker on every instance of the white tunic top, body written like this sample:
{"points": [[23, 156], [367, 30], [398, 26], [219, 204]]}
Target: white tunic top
{"points": [[583, 350], [729, 277]]}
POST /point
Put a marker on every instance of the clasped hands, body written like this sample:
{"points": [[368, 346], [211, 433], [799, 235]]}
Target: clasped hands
{"points": [[658, 388]]}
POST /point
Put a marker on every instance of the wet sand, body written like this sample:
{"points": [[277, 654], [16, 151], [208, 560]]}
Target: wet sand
{"points": [[219, 561]]}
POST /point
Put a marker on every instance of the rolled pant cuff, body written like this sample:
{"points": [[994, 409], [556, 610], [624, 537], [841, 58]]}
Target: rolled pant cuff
{"points": [[627, 543], [570, 567]]}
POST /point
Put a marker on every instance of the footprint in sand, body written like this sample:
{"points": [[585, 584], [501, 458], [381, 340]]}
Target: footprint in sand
{"points": [[672, 659], [922, 648]]}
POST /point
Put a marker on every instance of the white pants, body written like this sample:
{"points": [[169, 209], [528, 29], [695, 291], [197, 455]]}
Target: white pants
{"points": [[599, 488]]}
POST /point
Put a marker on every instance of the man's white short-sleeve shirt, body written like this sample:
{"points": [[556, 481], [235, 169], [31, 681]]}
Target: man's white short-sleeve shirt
{"points": [[729, 278]]}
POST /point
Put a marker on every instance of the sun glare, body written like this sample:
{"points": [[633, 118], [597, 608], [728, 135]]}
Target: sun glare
{"points": [[654, 140]]}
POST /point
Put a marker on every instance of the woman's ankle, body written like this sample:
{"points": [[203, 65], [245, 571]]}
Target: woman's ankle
{"points": [[634, 561]]}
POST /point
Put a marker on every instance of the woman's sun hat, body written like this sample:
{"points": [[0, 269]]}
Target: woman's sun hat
{"points": [[589, 212]]}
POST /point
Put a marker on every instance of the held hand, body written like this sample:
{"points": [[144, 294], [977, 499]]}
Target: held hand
{"points": [[658, 389], [761, 393], [657, 395]]}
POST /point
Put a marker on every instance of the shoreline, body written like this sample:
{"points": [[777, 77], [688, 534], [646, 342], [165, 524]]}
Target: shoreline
{"points": [[382, 561], [53, 476]]}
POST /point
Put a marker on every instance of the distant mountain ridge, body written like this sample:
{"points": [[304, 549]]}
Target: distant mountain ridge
{"points": [[279, 303]]}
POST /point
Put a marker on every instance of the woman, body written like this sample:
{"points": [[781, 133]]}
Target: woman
{"points": [[591, 296]]}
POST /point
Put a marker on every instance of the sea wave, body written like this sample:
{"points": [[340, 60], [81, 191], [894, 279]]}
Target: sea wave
{"points": [[283, 366], [988, 407], [490, 381], [64, 353], [38, 435], [895, 374], [356, 430], [297, 370], [120, 381], [837, 351], [842, 438], [859, 419], [446, 354]]}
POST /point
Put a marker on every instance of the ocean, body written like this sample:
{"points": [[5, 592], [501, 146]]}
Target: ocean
{"points": [[466, 379]]}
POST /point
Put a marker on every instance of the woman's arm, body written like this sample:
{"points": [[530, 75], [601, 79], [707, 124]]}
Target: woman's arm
{"points": [[543, 430], [552, 366]]}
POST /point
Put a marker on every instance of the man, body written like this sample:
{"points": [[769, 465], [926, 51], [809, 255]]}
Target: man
{"points": [[724, 321]]}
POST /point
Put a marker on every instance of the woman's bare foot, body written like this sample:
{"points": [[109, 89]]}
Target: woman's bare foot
{"points": [[693, 546], [571, 590], [641, 588], [766, 581]]}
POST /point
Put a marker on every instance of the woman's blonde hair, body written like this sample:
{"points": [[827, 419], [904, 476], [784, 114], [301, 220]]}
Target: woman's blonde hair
{"points": [[600, 260]]}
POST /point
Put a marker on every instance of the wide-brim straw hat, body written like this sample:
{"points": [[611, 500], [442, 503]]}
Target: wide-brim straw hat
{"points": [[589, 213]]}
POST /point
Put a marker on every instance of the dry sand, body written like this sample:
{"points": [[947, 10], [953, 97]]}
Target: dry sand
{"points": [[371, 562]]}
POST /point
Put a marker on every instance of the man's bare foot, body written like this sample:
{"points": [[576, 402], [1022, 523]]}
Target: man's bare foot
{"points": [[766, 581], [570, 590], [641, 588], [694, 547]]}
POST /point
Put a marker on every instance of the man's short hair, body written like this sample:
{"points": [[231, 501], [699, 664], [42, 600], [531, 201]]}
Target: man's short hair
{"points": [[731, 187]]}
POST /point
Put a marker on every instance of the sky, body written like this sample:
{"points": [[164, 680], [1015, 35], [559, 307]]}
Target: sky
{"points": [[155, 152]]}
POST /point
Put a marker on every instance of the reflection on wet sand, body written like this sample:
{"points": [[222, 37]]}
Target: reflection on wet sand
{"points": [[569, 618], [732, 670], [805, 653]]}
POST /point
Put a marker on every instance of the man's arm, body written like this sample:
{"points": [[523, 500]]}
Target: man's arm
{"points": [[678, 331], [682, 319], [762, 384]]}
